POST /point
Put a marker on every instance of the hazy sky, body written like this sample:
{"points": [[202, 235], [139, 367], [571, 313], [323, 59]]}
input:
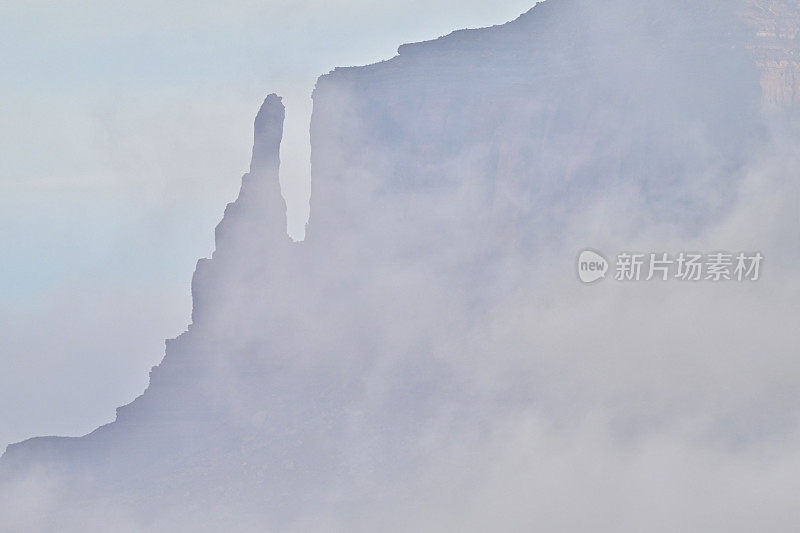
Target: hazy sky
{"points": [[125, 129]]}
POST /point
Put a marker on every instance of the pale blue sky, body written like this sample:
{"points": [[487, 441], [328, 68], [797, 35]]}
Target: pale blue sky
{"points": [[125, 128]]}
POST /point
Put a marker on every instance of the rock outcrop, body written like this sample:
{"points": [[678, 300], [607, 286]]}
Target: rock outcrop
{"points": [[776, 47]]}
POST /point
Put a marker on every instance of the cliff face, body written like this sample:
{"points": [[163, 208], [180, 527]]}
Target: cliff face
{"points": [[541, 113], [776, 47], [445, 182]]}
